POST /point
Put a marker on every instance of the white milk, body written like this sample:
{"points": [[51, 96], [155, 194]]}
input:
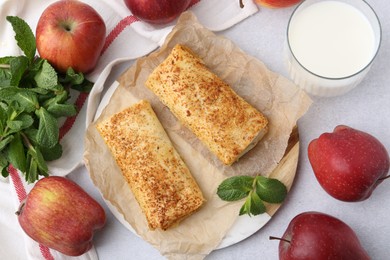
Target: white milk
{"points": [[332, 39]]}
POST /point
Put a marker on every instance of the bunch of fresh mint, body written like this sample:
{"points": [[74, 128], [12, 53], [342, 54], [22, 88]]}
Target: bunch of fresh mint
{"points": [[256, 190], [33, 95]]}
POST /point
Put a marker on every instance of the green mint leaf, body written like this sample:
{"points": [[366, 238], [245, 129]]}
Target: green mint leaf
{"points": [[43, 98], [28, 80], [18, 67], [51, 154], [58, 107], [14, 126], [37, 164], [76, 81], [3, 165], [4, 172], [3, 120], [270, 190], [4, 82], [36, 65], [257, 206], [26, 120], [5, 141], [246, 207], [8, 94], [24, 36], [59, 97], [48, 132], [5, 61], [86, 86], [32, 173], [42, 166], [19, 123], [40, 91], [47, 77], [253, 205], [71, 77], [14, 109], [26, 99], [59, 110], [31, 134], [235, 188], [17, 154], [256, 190], [5, 78], [5, 71]]}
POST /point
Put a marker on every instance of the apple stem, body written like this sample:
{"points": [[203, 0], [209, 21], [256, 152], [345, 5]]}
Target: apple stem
{"points": [[384, 178], [20, 209], [278, 238], [241, 4]]}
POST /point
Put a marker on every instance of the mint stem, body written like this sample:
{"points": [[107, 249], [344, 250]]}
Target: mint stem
{"points": [[26, 141], [5, 66], [5, 133]]}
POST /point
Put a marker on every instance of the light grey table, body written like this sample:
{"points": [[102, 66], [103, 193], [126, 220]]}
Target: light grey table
{"points": [[366, 108]]}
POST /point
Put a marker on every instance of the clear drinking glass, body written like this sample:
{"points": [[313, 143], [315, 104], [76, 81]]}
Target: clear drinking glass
{"points": [[331, 45]]}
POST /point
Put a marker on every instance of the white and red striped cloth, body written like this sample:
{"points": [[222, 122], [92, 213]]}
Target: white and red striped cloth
{"points": [[127, 38]]}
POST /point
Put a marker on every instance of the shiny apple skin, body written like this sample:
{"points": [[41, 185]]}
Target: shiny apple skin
{"points": [[59, 214], [70, 34], [157, 11], [348, 163], [319, 236]]}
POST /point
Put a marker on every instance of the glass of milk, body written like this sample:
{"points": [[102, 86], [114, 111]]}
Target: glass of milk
{"points": [[331, 45]]}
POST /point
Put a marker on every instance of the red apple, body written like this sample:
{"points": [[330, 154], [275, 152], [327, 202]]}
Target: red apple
{"points": [[348, 163], [59, 214], [277, 3], [157, 11], [315, 235], [70, 34]]}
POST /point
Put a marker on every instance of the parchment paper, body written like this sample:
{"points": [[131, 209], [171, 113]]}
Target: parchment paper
{"points": [[280, 100]]}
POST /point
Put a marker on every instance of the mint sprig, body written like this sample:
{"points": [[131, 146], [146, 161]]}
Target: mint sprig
{"points": [[256, 190], [24, 36], [33, 96]]}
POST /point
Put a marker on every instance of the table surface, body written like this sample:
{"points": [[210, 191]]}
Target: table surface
{"points": [[366, 108]]}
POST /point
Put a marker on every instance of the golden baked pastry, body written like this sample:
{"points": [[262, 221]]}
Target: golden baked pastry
{"points": [[227, 124], [159, 179]]}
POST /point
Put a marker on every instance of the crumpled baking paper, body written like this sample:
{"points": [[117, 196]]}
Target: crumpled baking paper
{"points": [[276, 97]]}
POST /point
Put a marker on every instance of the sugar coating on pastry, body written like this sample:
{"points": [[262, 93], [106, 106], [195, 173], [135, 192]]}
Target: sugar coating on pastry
{"points": [[158, 177], [225, 123]]}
